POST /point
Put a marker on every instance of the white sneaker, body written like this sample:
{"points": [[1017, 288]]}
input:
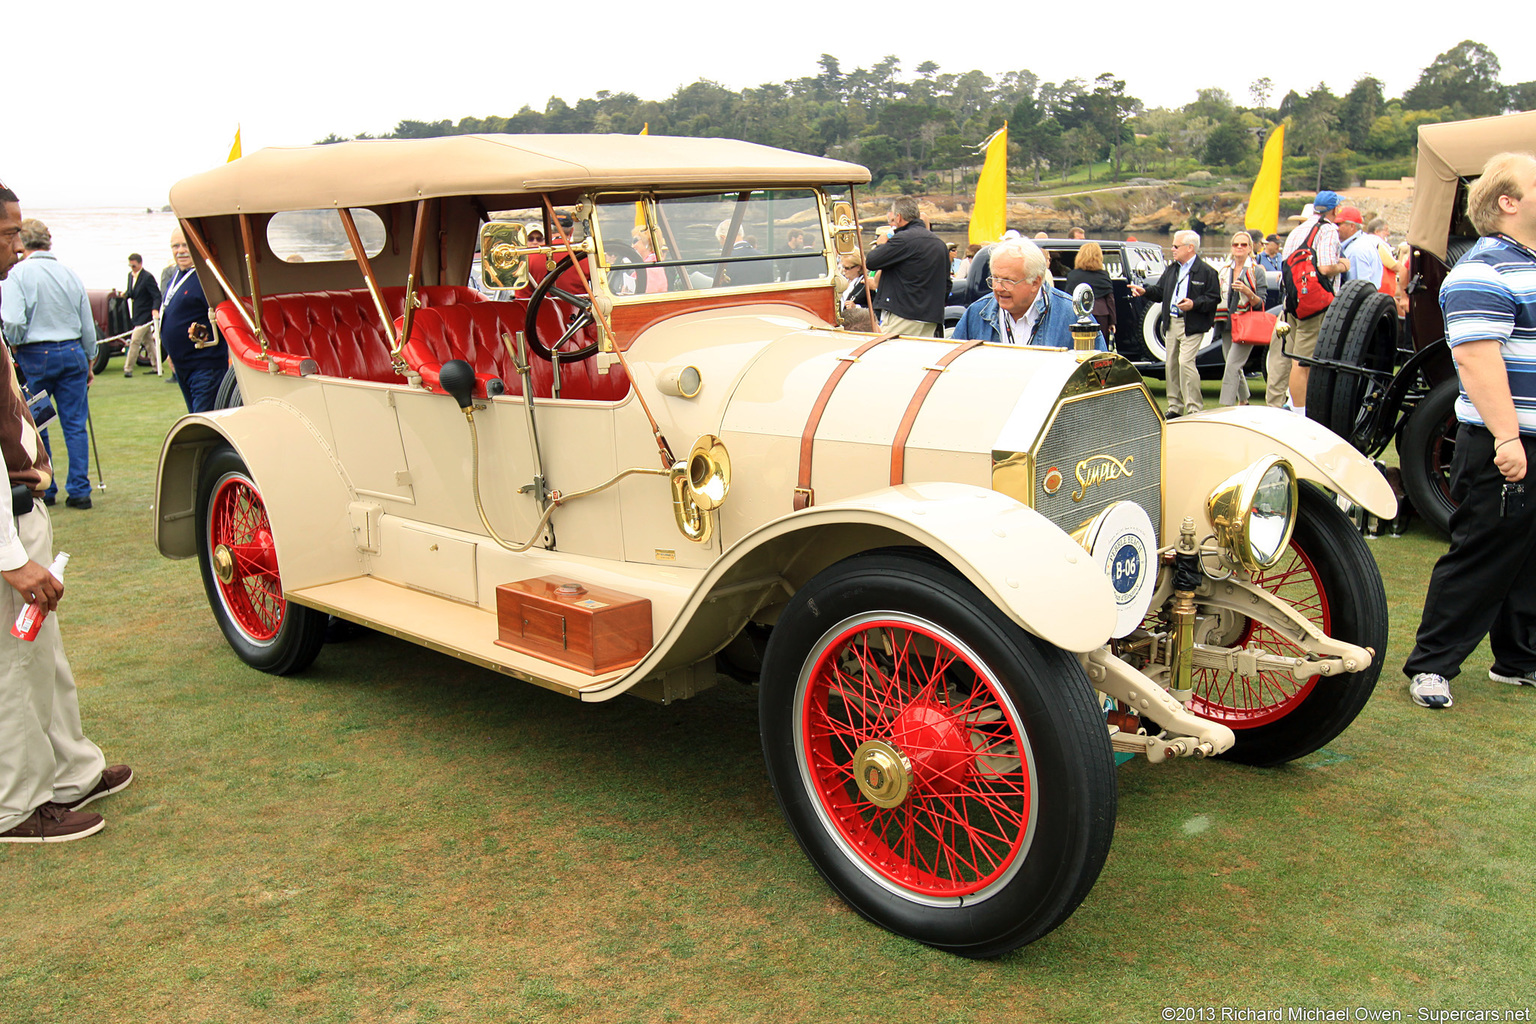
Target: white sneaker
{"points": [[1429, 690], [1529, 679]]}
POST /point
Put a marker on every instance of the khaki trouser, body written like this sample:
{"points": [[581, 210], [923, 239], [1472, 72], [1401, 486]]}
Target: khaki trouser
{"points": [[1302, 341], [44, 754], [143, 339], [908, 328], [1183, 379]]}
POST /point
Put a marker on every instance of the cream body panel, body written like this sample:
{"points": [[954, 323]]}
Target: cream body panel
{"points": [[1204, 449], [304, 488], [366, 433], [1020, 561], [989, 398]]}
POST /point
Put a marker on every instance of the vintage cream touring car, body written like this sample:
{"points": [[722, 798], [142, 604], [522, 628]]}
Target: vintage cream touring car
{"points": [[965, 576]]}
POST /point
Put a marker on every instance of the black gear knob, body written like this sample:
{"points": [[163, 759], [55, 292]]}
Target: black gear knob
{"points": [[458, 379]]}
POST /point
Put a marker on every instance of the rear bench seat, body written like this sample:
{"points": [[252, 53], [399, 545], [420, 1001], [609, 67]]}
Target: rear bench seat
{"points": [[473, 332], [338, 330]]}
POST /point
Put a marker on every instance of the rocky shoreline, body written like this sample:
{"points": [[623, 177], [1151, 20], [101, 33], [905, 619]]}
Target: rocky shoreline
{"points": [[1141, 207]]}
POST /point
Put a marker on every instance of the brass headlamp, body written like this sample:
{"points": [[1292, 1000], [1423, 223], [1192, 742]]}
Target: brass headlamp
{"points": [[1254, 512]]}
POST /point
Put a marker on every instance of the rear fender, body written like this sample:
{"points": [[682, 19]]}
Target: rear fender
{"points": [[1038, 575], [1203, 450], [305, 490]]}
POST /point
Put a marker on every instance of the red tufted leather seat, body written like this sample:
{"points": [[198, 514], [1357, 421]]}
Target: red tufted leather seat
{"points": [[474, 332], [339, 330]]}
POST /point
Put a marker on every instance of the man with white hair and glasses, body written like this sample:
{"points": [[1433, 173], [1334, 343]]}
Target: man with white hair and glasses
{"points": [[1024, 307], [1190, 290]]}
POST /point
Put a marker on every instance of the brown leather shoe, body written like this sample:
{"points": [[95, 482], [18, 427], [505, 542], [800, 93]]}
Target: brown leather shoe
{"points": [[51, 823], [112, 780]]}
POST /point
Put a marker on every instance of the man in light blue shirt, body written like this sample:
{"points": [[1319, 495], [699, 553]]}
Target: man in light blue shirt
{"points": [[48, 324], [1358, 248]]}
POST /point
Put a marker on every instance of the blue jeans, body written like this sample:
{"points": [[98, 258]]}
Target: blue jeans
{"points": [[200, 384], [60, 368]]}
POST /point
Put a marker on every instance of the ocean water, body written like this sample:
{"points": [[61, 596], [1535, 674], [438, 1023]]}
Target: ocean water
{"points": [[95, 243]]}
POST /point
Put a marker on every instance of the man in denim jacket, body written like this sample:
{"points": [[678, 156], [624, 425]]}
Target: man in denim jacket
{"points": [[1025, 308]]}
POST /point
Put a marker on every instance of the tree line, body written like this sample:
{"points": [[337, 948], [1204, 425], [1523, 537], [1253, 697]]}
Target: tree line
{"points": [[922, 131]]}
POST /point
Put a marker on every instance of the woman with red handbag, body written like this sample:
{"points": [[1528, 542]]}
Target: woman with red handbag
{"points": [[1239, 317]]}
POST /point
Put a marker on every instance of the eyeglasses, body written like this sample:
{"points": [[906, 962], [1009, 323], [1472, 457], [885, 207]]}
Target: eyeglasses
{"points": [[1240, 245], [1007, 284]]}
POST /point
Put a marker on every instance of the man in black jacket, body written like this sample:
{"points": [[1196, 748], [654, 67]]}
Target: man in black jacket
{"points": [[144, 294], [1189, 291], [914, 274]]}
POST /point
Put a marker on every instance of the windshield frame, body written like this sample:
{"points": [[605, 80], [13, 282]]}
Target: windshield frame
{"points": [[656, 220]]}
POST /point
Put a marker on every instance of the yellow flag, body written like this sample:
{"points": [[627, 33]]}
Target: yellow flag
{"points": [[640, 207], [234, 150], [989, 216], [1264, 201]]}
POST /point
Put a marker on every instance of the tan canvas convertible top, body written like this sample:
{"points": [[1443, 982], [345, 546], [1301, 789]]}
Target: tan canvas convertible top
{"points": [[380, 171], [1453, 150]]}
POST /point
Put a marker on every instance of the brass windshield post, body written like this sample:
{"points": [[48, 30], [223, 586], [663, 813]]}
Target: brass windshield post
{"points": [[418, 243], [196, 238], [372, 282], [252, 257], [858, 234]]}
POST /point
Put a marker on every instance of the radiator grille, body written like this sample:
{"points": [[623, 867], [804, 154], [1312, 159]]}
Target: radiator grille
{"points": [[1113, 440]]}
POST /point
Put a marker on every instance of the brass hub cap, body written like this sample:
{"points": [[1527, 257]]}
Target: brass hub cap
{"points": [[882, 772], [224, 563]]}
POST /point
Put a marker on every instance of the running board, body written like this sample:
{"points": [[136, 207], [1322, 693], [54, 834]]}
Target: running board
{"points": [[449, 627]]}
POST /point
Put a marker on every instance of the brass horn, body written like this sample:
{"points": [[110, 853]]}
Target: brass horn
{"points": [[699, 485]]}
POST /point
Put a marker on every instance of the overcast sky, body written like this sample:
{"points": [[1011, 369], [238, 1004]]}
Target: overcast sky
{"points": [[109, 104]]}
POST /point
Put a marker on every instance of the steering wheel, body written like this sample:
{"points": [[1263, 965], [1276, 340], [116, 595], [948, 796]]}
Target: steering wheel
{"points": [[581, 326], [624, 259]]}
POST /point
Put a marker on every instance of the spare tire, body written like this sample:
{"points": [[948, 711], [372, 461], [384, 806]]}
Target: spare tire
{"points": [[1330, 345], [1152, 332], [1429, 442], [228, 396], [1371, 344]]}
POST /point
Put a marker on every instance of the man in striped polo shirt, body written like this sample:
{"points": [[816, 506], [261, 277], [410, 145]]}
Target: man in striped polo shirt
{"points": [[1486, 583]]}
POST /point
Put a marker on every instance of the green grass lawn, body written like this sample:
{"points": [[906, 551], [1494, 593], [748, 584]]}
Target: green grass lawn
{"points": [[397, 836]]}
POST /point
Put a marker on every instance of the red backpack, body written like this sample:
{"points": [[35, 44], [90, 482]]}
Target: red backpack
{"points": [[1307, 293]]}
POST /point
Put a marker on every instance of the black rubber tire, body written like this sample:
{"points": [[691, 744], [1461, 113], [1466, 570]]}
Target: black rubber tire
{"points": [[1045, 709], [99, 364], [1331, 335], [1152, 333], [300, 631], [228, 396], [1370, 343], [1327, 552], [1428, 442]]}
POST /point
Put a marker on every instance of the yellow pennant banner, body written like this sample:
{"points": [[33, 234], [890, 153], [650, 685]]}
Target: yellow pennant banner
{"points": [[1264, 201], [989, 217]]}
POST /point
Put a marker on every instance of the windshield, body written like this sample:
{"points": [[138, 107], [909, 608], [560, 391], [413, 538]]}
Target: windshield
{"points": [[696, 243]]}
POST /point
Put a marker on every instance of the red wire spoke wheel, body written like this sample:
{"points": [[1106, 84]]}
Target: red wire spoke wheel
{"points": [[1329, 575], [916, 758], [245, 559], [1241, 702], [949, 775], [238, 557]]}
